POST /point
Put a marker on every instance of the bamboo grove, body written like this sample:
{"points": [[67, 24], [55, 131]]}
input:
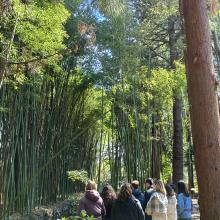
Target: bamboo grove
{"points": [[87, 85]]}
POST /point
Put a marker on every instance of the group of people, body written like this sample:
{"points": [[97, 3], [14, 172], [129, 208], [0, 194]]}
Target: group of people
{"points": [[159, 202]]}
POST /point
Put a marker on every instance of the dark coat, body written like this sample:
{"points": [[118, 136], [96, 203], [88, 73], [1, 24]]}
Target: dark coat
{"points": [[139, 195], [93, 204], [129, 209], [147, 196], [108, 211]]}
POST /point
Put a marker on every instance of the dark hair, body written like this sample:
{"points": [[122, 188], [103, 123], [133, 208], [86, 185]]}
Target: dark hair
{"points": [[149, 181], [125, 192], [108, 194], [169, 189], [173, 186], [181, 186]]}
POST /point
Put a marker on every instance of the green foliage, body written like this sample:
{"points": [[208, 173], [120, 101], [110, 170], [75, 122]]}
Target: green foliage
{"points": [[113, 8], [153, 31], [169, 8], [161, 86], [179, 77], [105, 97], [78, 175], [41, 28], [166, 171], [83, 216]]}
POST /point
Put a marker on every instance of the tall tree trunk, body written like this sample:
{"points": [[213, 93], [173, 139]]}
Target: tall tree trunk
{"points": [[177, 140], [204, 107], [177, 109], [156, 159]]}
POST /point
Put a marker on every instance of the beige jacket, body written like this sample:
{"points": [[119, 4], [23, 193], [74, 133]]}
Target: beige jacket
{"points": [[171, 208]]}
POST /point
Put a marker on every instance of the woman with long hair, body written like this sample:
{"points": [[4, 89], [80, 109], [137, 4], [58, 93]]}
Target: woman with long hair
{"points": [[157, 205], [184, 202], [108, 195], [172, 202], [127, 207]]}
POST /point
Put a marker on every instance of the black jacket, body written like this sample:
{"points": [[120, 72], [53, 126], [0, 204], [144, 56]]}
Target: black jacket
{"points": [[129, 209], [108, 211], [147, 196], [139, 195]]}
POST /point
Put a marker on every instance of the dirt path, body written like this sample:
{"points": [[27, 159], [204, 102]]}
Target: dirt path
{"points": [[196, 215]]}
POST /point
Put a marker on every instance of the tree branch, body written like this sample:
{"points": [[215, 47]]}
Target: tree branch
{"points": [[10, 62]]}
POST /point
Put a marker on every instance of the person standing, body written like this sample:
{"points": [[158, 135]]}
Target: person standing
{"points": [[147, 195], [126, 206], [172, 202], [184, 202], [157, 205], [92, 202], [136, 192], [108, 195]]}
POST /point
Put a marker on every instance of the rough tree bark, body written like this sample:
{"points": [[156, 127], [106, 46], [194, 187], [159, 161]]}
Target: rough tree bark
{"points": [[177, 139], [177, 108], [204, 106]]}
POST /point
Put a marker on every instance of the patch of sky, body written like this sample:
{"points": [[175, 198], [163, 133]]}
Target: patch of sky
{"points": [[96, 12], [88, 4], [91, 61]]}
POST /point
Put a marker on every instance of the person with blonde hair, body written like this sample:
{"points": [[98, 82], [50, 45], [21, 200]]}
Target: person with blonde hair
{"points": [[157, 205], [126, 207], [92, 202]]}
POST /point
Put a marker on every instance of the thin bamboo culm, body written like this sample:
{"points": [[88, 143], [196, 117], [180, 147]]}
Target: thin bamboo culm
{"points": [[39, 118]]}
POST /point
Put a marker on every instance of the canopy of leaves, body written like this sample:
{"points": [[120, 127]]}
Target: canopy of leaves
{"points": [[78, 175]]}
